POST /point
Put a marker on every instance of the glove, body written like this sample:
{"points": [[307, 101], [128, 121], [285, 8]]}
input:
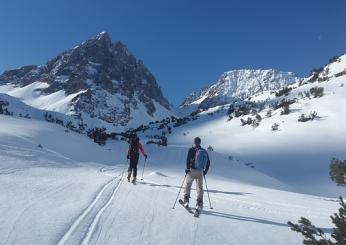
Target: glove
{"points": [[187, 171], [128, 156], [205, 172], [146, 156]]}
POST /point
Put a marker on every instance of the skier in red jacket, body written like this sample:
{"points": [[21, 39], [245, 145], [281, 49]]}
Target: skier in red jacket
{"points": [[133, 155]]}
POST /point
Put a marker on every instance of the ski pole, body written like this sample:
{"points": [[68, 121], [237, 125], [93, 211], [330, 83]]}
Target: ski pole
{"points": [[179, 192], [206, 186], [143, 168]]}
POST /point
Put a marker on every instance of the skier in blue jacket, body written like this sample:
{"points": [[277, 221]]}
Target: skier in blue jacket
{"points": [[197, 165]]}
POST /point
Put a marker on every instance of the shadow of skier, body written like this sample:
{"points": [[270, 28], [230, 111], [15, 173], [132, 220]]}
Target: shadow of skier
{"points": [[230, 192], [243, 218], [211, 191]]}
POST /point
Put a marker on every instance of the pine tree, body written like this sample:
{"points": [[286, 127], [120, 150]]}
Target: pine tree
{"points": [[312, 234], [339, 232], [337, 171]]}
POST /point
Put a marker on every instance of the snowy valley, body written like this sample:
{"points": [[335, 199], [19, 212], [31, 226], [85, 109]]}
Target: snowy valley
{"points": [[64, 128]]}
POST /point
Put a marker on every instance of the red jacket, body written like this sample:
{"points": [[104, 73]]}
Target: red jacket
{"points": [[138, 148]]}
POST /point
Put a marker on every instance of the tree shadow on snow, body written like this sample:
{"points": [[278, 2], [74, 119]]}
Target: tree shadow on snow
{"points": [[254, 220]]}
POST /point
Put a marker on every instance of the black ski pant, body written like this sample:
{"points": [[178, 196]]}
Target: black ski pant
{"points": [[133, 166]]}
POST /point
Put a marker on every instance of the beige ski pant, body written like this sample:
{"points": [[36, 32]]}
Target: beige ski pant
{"points": [[197, 175]]}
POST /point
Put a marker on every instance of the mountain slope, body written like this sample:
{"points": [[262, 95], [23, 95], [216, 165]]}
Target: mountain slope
{"points": [[99, 82]]}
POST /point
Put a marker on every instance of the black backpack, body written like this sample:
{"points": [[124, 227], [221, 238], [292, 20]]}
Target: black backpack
{"points": [[133, 148]]}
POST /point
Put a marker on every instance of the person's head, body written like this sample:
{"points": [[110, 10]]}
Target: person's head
{"points": [[134, 140], [197, 141]]}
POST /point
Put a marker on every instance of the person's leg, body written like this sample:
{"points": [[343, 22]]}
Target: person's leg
{"points": [[135, 163], [187, 189], [199, 188], [129, 170]]}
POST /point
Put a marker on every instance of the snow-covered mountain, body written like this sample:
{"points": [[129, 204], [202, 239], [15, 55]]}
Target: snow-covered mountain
{"points": [[239, 84], [98, 82]]}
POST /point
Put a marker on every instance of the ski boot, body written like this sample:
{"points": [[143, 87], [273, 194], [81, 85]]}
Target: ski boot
{"points": [[199, 207], [199, 204], [186, 201]]}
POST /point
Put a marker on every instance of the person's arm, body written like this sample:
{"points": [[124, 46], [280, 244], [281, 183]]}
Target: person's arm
{"points": [[207, 167], [128, 153], [142, 150]]}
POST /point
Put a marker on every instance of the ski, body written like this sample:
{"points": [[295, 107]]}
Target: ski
{"points": [[186, 207]]}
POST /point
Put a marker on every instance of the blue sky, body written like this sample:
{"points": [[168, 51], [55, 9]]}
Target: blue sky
{"points": [[187, 44]]}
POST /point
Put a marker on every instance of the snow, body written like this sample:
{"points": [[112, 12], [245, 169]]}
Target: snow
{"points": [[58, 194], [23, 92], [62, 79], [241, 84], [338, 66], [32, 95], [101, 34], [58, 101]]}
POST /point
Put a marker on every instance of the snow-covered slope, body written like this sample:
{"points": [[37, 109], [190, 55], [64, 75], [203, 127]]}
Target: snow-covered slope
{"points": [[99, 82], [30, 95], [239, 84], [58, 194], [15, 107], [298, 153]]}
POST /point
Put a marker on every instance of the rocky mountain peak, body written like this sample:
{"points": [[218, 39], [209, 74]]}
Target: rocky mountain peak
{"points": [[104, 79]]}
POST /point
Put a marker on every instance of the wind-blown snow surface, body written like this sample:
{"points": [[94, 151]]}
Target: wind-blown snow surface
{"points": [[72, 191]]}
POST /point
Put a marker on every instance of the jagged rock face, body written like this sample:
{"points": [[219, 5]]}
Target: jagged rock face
{"points": [[113, 81], [240, 84]]}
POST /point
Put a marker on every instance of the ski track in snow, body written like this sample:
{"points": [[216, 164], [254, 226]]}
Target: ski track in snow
{"points": [[49, 150], [83, 228]]}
